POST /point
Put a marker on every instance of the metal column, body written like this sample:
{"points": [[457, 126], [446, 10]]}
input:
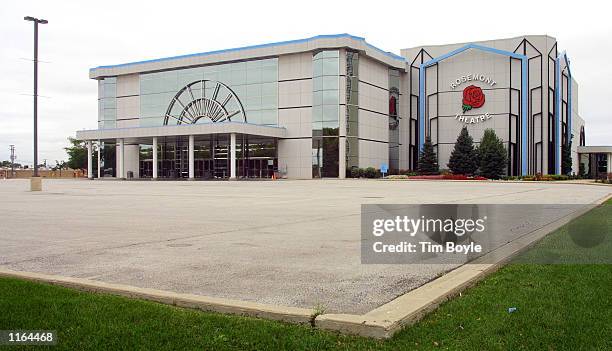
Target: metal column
{"points": [[99, 158], [233, 156], [154, 157], [89, 160], [120, 167], [191, 158]]}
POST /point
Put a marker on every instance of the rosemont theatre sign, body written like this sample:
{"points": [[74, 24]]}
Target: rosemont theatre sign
{"points": [[473, 97]]}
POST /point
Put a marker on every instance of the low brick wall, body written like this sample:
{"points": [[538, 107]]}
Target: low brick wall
{"points": [[27, 173]]}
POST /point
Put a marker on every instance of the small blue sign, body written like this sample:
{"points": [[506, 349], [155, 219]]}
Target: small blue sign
{"points": [[384, 168]]}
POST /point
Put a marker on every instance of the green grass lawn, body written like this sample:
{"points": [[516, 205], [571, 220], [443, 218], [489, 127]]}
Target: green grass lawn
{"points": [[559, 307]]}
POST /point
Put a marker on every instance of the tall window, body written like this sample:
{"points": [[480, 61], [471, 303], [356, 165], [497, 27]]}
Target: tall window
{"points": [[107, 103], [325, 114], [352, 109], [394, 119]]}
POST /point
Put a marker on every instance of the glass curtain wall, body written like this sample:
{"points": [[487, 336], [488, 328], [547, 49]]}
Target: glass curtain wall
{"points": [[108, 159], [107, 103], [352, 110], [146, 160], [325, 114], [256, 157], [394, 119], [255, 83]]}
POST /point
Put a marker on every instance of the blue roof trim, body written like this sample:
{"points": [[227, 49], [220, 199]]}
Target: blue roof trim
{"points": [[280, 43], [180, 126]]}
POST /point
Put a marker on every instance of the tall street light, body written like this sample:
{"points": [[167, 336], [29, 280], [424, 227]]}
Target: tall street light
{"points": [[36, 22]]}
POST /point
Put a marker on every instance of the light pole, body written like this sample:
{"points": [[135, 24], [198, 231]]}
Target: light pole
{"points": [[12, 148], [37, 186]]}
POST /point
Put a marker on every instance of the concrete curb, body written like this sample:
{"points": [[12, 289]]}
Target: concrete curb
{"points": [[409, 308], [204, 303], [381, 323], [497, 181]]}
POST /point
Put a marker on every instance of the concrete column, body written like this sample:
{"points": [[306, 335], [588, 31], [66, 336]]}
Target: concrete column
{"points": [[89, 160], [99, 158], [610, 163], [191, 158], [120, 166], [342, 157], [154, 157], [233, 156]]}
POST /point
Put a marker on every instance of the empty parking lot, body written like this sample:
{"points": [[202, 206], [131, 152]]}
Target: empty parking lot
{"points": [[292, 243]]}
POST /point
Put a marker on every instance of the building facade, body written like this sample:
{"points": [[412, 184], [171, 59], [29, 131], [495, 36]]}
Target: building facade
{"points": [[318, 107]]}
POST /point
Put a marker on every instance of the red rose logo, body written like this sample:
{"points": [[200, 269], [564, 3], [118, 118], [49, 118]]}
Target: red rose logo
{"points": [[473, 97]]}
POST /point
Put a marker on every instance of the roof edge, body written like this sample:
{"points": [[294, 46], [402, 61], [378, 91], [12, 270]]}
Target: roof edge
{"points": [[258, 46]]}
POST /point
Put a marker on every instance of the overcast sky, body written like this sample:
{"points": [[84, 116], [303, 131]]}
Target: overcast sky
{"points": [[84, 34]]}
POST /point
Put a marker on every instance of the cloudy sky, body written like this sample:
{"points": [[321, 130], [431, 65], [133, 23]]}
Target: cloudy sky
{"points": [[84, 34]]}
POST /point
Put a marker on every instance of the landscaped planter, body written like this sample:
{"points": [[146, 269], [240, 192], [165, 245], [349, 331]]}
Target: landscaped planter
{"points": [[438, 177]]}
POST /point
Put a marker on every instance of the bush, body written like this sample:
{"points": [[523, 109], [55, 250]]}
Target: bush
{"points": [[492, 154], [428, 160], [407, 172], [398, 176], [370, 172], [581, 170], [464, 158], [566, 159], [559, 177], [355, 172]]}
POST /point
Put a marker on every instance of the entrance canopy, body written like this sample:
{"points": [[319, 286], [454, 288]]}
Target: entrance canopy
{"points": [[181, 130], [596, 161], [216, 144]]}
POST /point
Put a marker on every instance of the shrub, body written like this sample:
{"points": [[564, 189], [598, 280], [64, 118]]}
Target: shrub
{"points": [[566, 159], [355, 172], [398, 176], [428, 160], [492, 155], [559, 177], [370, 172], [407, 172], [463, 159], [581, 170]]}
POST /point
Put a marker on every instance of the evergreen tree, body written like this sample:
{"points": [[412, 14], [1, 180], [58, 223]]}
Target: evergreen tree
{"points": [[566, 159], [428, 160], [492, 154], [463, 159]]}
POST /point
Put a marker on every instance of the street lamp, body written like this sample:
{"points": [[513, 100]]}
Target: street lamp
{"points": [[35, 184]]}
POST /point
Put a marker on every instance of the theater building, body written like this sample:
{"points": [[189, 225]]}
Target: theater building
{"points": [[317, 107]]}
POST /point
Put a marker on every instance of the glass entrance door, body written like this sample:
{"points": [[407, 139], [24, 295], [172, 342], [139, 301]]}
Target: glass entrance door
{"points": [[256, 157]]}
